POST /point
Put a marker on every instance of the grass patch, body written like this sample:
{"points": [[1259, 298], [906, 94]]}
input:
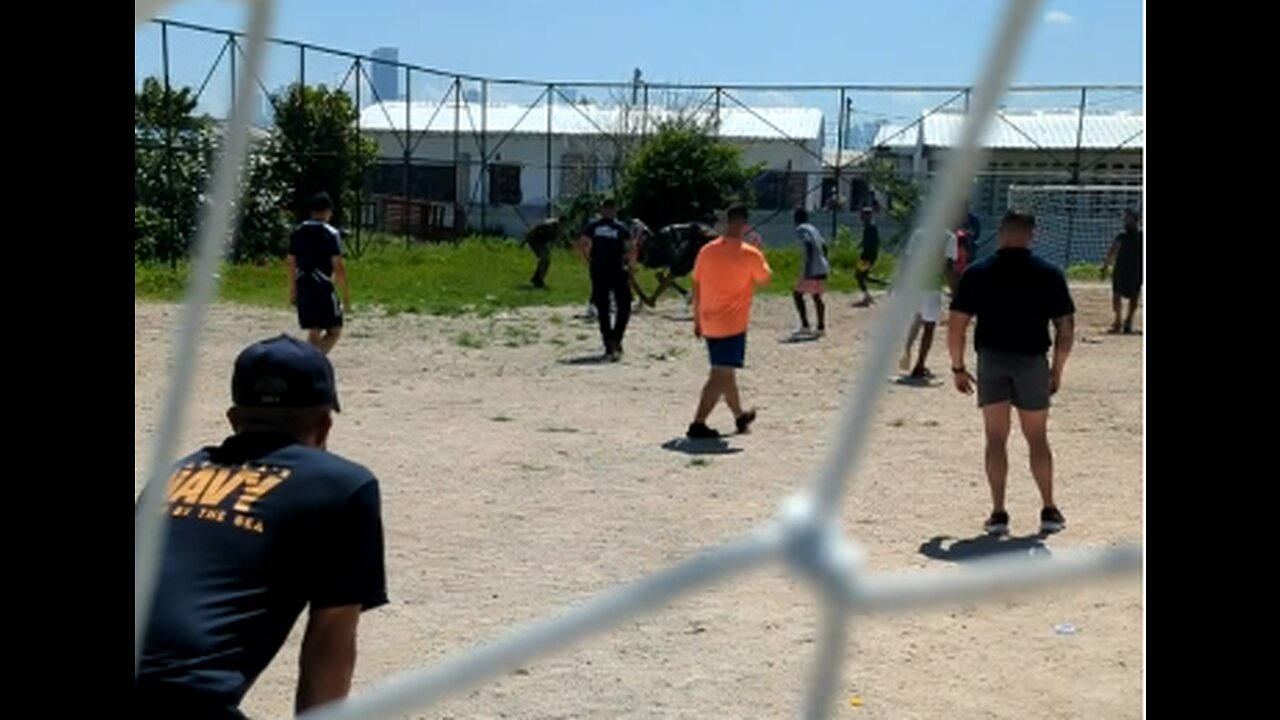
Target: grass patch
{"points": [[477, 276], [1086, 273], [520, 335], [470, 340]]}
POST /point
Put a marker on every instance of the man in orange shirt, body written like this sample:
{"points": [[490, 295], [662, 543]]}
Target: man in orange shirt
{"points": [[724, 277]]}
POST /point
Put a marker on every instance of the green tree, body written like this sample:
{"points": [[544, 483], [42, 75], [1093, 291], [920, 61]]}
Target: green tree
{"points": [[172, 155], [264, 215], [684, 173], [317, 148]]}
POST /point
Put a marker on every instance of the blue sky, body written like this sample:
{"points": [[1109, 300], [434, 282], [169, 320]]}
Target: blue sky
{"points": [[704, 41]]}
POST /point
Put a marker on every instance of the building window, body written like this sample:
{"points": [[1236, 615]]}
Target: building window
{"points": [[435, 183], [578, 174], [780, 190], [504, 185]]}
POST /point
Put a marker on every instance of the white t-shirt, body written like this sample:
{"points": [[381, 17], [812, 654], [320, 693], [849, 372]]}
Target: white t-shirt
{"points": [[951, 250]]}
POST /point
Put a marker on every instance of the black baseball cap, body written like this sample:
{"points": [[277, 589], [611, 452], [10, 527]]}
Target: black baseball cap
{"points": [[283, 372]]}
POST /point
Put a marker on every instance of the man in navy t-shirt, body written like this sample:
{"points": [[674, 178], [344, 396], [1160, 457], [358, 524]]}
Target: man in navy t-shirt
{"points": [[315, 267], [260, 527], [606, 245]]}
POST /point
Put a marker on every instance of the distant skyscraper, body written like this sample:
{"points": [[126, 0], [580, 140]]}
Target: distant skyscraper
{"points": [[386, 78]]}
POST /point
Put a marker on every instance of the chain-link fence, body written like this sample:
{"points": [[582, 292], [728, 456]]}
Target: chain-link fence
{"points": [[454, 154]]}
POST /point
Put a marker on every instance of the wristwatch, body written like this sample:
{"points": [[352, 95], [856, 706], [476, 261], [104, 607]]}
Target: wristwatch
{"points": [[958, 370]]}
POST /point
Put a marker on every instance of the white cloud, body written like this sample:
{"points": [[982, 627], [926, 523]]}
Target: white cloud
{"points": [[1057, 17]]}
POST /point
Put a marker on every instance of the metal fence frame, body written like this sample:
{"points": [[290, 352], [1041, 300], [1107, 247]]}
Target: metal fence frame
{"points": [[473, 133]]}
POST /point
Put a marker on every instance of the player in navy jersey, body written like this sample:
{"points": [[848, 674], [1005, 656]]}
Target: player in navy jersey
{"points": [[606, 245], [316, 272], [260, 527]]}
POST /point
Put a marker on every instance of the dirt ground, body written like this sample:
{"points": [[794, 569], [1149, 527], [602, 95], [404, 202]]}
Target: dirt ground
{"points": [[518, 479]]}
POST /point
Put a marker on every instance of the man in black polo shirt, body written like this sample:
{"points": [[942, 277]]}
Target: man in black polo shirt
{"points": [[1015, 296], [260, 527], [606, 245]]}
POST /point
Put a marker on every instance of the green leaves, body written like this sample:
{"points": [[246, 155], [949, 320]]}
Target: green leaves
{"points": [[683, 173]]}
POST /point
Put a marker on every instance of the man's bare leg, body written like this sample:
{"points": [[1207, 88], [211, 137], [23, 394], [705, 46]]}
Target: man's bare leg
{"points": [[1133, 310], [330, 339], [664, 281], [1115, 308], [729, 384], [905, 363], [1035, 428], [315, 336], [926, 342], [862, 285], [711, 392], [996, 420]]}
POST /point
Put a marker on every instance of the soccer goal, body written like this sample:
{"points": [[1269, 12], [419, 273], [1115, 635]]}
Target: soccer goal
{"points": [[1075, 224]]}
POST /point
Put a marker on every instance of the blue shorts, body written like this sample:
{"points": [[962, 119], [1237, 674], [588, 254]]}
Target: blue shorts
{"points": [[727, 352]]}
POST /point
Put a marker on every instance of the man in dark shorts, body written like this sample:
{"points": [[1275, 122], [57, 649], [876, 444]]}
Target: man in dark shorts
{"points": [[541, 239], [1015, 296], [869, 253], [724, 278], [1126, 282], [605, 243], [260, 527], [315, 265]]}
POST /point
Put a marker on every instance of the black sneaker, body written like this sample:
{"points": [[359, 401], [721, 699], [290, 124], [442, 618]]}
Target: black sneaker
{"points": [[997, 524], [700, 431], [744, 421], [1051, 520]]}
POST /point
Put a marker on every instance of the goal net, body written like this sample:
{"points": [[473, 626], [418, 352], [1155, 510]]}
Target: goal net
{"points": [[1075, 224]]}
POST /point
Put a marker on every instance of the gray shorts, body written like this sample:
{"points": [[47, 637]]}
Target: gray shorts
{"points": [[1019, 379]]}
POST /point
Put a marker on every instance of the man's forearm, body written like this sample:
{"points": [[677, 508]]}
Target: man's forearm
{"points": [[346, 290], [324, 679], [1064, 338]]}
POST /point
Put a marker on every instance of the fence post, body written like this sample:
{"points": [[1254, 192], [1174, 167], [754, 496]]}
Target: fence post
{"points": [[408, 144], [231, 40], [297, 208], [551, 90], [717, 119], [359, 214], [484, 156], [464, 199], [168, 145], [1075, 176], [460, 200], [841, 133]]}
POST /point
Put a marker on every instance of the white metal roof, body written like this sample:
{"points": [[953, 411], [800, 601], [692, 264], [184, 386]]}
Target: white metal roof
{"points": [[847, 157], [1027, 130], [770, 123]]}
